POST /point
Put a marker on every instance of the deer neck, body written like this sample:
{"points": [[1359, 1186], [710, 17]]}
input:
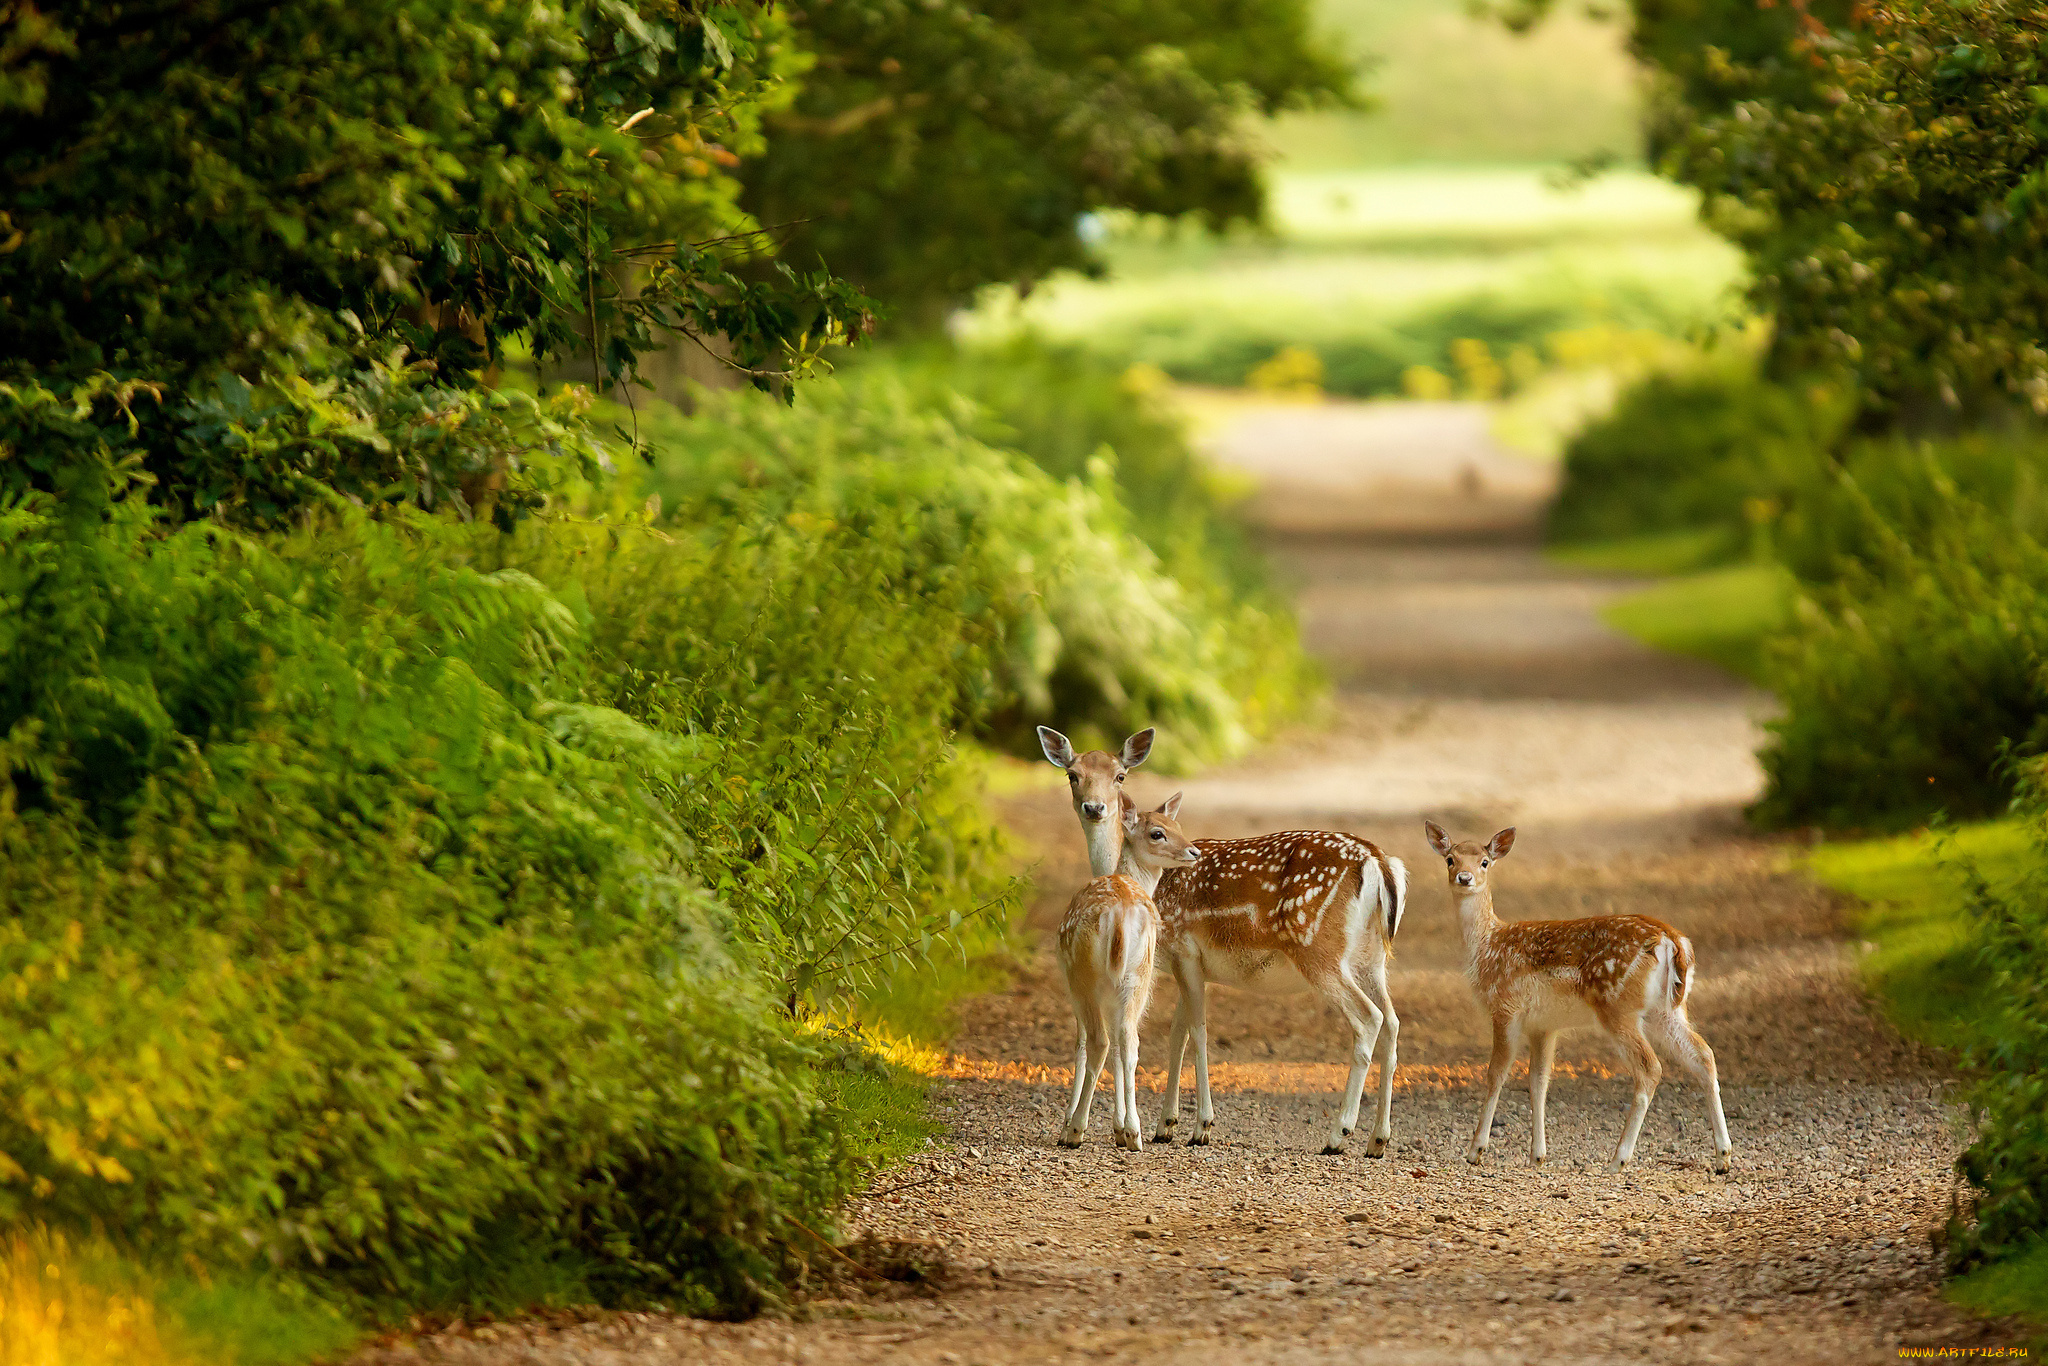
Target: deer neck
{"points": [[1143, 874], [1476, 920], [1105, 844]]}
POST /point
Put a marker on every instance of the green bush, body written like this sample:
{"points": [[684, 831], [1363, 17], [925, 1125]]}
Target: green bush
{"points": [[1848, 513], [1082, 621], [2006, 1164], [351, 930], [1908, 679], [1366, 356], [1690, 450]]}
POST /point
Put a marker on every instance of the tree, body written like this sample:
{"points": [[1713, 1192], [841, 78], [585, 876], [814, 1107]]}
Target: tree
{"points": [[939, 145], [210, 202]]}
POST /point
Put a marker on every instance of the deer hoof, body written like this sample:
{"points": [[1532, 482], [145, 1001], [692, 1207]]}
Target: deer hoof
{"points": [[1376, 1147], [1476, 1156], [1199, 1138], [1071, 1139], [1721, 1163], [1617, 1166], [1333, 1150], [1537, 1159]]}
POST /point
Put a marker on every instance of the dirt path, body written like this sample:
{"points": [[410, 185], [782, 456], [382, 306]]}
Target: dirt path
{"points": [[1476, 685]]}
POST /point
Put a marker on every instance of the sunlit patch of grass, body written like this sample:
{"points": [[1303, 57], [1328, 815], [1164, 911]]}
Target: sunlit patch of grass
{"points": [[1723, 616], [1921, 965], [77, 1302], [2018, 1286], [1656, 555], [53, 1314]]}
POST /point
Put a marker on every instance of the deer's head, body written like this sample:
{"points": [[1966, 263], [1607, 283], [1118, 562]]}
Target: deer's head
{"points": [[1468, 862], [1095, 778], [1154, 837]]}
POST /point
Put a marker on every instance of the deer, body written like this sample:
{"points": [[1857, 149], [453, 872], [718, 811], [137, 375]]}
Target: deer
{"points": [[1300, 910], [1631, 975], [1108, 940]]}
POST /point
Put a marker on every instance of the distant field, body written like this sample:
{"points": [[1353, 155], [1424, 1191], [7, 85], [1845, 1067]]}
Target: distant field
{"points": [[1430, 220], [1454, 88], [1380, 269]]}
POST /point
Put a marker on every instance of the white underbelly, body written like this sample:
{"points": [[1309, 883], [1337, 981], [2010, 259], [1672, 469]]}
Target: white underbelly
{"points": [[1262, 973], [1546, 1013]]}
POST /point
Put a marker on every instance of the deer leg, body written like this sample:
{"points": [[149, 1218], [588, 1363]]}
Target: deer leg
{"points": [[1375, 988], [1088, 1059], [1198, 1033], [1127, 1081], [1697, 1059], [1364, 1018], [1176, 1055], [1496, 1078], [1542, 1053], [1642, 1062]]}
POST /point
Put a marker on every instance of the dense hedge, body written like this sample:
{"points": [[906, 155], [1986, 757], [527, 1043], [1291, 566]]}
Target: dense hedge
{"points": [[2006, 1164], [345, 932], [1084, 620], [399, 889]]}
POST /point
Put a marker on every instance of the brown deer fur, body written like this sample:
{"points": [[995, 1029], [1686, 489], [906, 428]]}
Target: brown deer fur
{"points": [[1311, 910], [1108, 940], [1628, 974]]}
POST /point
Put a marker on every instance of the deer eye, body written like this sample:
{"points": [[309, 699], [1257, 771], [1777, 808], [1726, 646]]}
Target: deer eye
{"points": [[1157, 833], [1450, 863], [1120, 777], [1073, 777], [1486, 863]]}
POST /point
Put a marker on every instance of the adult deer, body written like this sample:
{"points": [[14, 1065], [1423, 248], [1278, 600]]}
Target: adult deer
{"points": [[1628, 974], [1107, 943], [1310, 910]]}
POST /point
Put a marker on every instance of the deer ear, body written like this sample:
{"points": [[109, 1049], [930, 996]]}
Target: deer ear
{"points": [[1170, 808], [1129, 811], [1057, 749], [1138, 747], [1439, 838], [1499, 845]]}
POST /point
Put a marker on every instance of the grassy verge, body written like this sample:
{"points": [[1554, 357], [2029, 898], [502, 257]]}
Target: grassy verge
{"points": [[1721, 614], [1921, 966]]}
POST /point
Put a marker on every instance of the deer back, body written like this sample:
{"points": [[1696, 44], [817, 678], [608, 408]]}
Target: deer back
{"points": [[1277, 891]]}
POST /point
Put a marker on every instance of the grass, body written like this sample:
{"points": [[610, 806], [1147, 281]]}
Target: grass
{"points": [[81, 1302], [1452, 86], [1660, 553], [1720, 615], [2016, 1287], [1919, 965], [1394, 263], [1911, 890]]}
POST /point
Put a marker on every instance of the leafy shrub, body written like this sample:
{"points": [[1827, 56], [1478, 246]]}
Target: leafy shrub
{"points": [[1691, 449], [348, 928], [1081, 619], [1366, 356], [1847, 513], [1910, 677], [2006, 1164]]}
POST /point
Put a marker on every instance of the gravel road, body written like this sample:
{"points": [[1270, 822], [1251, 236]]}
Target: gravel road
{"points": [[1477, 686]]}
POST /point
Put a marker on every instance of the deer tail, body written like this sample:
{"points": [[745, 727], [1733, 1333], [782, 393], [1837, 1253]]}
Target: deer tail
{"points": [[1674, 968], [1393, 875]]}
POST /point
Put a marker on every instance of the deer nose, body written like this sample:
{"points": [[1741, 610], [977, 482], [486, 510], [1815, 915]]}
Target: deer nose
{"points": [[1093, 810], [1464, 879]]}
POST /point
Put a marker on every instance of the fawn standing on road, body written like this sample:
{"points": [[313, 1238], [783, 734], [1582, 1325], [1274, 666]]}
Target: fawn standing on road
{"points": [[1628, 974], [1107, 943], [1300, 910]]}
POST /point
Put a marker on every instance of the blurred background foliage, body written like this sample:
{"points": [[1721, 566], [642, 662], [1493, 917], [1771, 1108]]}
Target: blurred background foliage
{"points": [[497, 740], [478, 835]]}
